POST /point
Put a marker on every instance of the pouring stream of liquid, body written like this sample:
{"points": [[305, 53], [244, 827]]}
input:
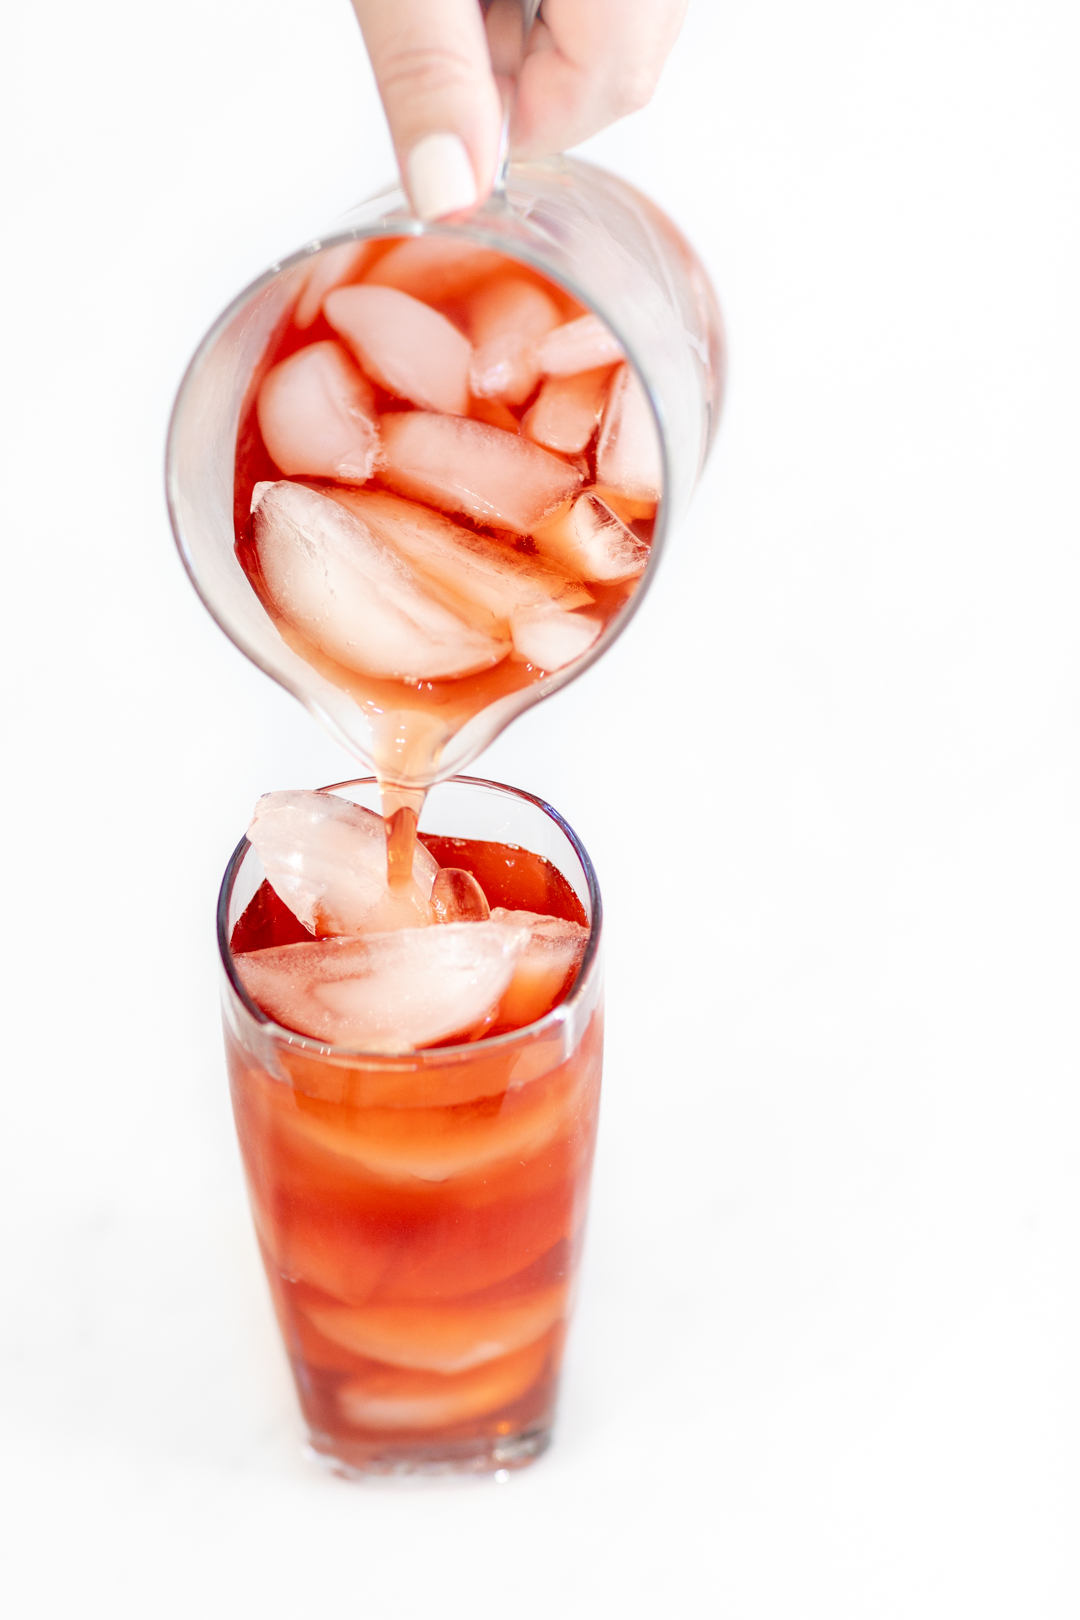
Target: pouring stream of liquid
{"points": [[508, 24]]}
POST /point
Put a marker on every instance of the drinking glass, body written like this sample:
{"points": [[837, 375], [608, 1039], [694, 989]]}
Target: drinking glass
{"points": [[420, 1217], [588, 231]]}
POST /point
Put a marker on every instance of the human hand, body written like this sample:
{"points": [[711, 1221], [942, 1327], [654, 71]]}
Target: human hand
{"points": [[587, 63]]}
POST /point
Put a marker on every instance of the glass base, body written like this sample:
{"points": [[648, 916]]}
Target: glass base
{"points": [[486, 1454]]}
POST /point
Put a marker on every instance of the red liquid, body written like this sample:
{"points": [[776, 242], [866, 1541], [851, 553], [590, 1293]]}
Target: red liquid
{"points": [[431, 711], [420, 1218]]}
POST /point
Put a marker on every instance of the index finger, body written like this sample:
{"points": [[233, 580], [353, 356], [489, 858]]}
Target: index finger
{"points": [[433, 70]]}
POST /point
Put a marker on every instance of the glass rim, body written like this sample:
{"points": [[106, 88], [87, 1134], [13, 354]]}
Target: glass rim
{"points": [[307, 1044]]}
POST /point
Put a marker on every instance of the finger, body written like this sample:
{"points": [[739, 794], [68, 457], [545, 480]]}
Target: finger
{"points": [[434, 75], [590, 62]]}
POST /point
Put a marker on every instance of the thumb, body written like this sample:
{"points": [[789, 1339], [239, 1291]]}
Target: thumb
{"points": [[434, 75]]}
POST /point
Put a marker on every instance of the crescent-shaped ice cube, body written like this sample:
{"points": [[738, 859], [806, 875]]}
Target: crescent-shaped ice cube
{"points": [[458, 465], [317, 415], [404, 345], [354, 598], [392, 992], [325, 857]]}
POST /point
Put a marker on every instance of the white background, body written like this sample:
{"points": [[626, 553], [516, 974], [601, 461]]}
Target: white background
{"points": [[826, 1358]]}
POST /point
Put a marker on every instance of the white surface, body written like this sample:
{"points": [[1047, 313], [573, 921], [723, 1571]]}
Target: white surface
{"points": [[826, 1358]]}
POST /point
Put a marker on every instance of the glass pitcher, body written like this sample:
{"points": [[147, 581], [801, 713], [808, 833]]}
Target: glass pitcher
{"points": [[594, 236]]}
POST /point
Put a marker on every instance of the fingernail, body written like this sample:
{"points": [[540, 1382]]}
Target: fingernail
{"points": [[440, 175]]}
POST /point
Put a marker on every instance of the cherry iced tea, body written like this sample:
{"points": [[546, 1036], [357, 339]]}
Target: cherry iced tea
{"points": [[420, 1216], [446, 484]]}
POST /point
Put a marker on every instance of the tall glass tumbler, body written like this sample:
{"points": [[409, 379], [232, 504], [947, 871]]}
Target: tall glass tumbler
{"points": [[420, 1217]]}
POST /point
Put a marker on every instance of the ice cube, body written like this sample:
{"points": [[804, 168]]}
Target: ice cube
{"points": [[504, 318], [510, 306], [566, 411], [390, 992], [463, 466], [325, 857], [543, 969], [445, 1338], [410, 350], [628, 470], [317, 415], [434, 268], [579, 345], [331, 268], [457, 897], [398, 1398], [589, 540], [305, 1245], [503, 370], [407, 1144], [550, 638], [354, 598], [483, 574]]}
